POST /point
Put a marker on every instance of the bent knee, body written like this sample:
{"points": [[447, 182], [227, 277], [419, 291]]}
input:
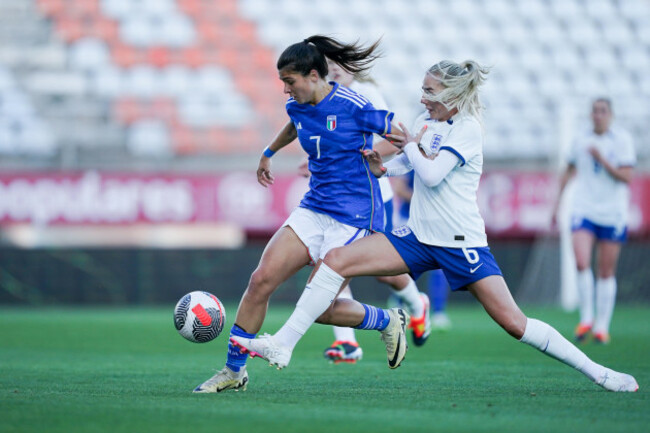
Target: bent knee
{"points": [[515, 327], [335, 260], [326, 317]]}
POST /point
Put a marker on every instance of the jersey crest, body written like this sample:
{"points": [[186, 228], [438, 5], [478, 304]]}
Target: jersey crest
{"points": [[331, 122], [435, 143]]}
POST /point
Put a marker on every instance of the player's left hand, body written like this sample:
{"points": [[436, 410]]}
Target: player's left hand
{"points": [[595, 153], [405, 136], [264, 176], [375, 162]]}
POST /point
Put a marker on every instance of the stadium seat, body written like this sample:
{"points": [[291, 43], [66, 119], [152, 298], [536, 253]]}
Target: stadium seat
{"points": [[172, 60], [149, 138], [108, 82], [142, 81], [7, 80], [89, 54]]}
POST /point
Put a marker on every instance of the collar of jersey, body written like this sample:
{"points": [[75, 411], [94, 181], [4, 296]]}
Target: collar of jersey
{"points": [[449, 121]]}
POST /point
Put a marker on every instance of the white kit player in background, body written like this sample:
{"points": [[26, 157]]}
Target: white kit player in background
{"points": [[445, 229], [601, 160]]}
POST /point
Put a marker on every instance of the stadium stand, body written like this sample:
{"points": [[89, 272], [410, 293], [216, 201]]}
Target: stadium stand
{"points": [[98, 80]]}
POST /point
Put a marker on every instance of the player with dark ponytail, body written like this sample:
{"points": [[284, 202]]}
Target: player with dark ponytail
{"points": [[334, 125]]}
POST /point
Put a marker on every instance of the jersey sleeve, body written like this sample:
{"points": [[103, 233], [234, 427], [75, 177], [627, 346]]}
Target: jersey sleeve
{"points": [[374, 121], [627, 155], [464, 141]]}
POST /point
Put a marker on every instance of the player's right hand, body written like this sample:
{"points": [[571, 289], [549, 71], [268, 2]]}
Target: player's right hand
{"points": [[375, 163], [264, 176]]}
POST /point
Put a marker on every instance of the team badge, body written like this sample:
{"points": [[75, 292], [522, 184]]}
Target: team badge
{"points": [[331, 122], [435, 143], [401, 231]]}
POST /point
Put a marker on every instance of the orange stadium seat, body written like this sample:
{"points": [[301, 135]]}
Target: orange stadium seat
{"points": [[183, 139], [51, 7], [193, 57], [190, 7], [102, 28], [69, 29], [81, 8], [124, 55], [158, 56], [164, 109], [128, 110]]}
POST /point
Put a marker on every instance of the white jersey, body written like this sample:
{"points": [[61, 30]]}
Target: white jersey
{"points": [[371, 92], [598, 196], [447, 215]]}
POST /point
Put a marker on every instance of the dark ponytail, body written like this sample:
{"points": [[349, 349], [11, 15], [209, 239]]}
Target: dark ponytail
{"points": [[313, 52]]}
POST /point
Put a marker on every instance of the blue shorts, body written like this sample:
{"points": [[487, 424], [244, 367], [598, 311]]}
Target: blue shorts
{"points": [[461, 266], [602, 233]]}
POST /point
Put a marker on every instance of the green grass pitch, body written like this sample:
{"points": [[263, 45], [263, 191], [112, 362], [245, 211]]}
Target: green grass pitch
{"points": [[127, 370]]}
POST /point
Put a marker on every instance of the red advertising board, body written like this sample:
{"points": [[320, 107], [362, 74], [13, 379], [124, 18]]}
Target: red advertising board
{"points": [[513, 204]]}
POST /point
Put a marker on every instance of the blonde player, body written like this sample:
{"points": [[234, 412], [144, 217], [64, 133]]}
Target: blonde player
{"points": [[602, 161], [445, 230]]}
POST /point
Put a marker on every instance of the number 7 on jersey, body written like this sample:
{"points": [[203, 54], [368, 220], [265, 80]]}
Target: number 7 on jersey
{"points": [[317, 138]]}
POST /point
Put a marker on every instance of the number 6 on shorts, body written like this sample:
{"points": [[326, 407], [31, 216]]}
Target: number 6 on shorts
{"points": [[471, 255]]}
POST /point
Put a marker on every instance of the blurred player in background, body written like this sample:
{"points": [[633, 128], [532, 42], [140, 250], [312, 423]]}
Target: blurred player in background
{"points": [[601, 160], [445, 229], [345, 347], [334, 125]]}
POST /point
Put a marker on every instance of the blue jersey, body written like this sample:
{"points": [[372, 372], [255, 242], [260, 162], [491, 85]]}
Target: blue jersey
{"points": [[333, 133]]}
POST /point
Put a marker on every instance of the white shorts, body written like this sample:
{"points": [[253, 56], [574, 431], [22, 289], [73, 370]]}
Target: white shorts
{"points": [[320, 232]]}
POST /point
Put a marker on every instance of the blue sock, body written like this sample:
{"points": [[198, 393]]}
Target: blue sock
{"points": [[438, 290], [375, 318], [236, 360]]}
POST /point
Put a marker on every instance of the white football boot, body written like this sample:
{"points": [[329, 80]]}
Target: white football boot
{"points": [[265, 347], [394, 336], [224, 380]]}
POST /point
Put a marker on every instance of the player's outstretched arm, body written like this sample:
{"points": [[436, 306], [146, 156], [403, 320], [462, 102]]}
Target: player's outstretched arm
{"points": [[286, 135]]}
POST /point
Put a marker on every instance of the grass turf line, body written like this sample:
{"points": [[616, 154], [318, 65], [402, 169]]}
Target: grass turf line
{"points": [[126, 370]]}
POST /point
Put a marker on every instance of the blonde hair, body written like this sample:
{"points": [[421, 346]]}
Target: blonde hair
{"points": [[461, 82]]}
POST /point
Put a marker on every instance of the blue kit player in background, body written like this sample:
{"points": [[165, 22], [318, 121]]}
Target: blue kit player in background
{"points": [[445, 229], [334, 125]]}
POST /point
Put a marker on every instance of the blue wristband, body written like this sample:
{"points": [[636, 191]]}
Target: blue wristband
{"points": [[268, 152]]}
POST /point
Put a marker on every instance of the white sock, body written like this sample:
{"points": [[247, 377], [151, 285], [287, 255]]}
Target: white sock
{"points": [[410, 295], [605, 301], [546, 339], [315, 299], [586, 296], [341, 333]]}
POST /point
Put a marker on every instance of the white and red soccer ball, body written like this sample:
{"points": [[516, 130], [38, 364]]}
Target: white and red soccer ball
{"points": [[199, 317]]}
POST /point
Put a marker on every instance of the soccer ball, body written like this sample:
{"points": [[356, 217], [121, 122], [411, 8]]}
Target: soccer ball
{"points": [[199, 317]]}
